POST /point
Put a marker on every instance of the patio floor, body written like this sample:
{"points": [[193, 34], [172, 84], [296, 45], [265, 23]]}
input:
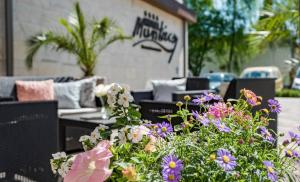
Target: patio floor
{"points": [[289, 118]]}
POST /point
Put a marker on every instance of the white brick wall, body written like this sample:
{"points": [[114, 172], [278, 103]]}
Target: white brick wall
{"points": [[2, 39], [119, 63]]}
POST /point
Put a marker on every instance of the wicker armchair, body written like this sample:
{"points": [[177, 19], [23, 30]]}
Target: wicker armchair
{"points": [[28, 135]]}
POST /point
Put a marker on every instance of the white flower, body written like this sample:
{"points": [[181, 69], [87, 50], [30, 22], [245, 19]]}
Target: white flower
{"points": [[144, 130], [84, 138], [64, 168], [111, 100], [59, 155], [122, 135], [135, 135], [126, 88], [95, 135], [101, 90], [124, 99], [114, 89], [113, 136], [53, 166], [104, 127]]}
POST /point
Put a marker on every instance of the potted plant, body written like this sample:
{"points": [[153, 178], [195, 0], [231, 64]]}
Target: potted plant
{"points": [[226, 142], [86, 44]]}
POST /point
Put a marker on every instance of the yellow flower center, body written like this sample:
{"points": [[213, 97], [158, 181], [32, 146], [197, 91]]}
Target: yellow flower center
{"points": [[134, 135], [289, 153], [171, 177], [163, 129], [270, 169], [226, 159], [172, 164], [222, 126]]}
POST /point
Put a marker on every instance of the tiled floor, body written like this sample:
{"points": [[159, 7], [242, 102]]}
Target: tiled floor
{"points": [[289, 118]]}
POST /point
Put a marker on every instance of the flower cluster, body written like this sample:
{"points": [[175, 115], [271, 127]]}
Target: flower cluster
{"points": [[220, 141], [60, 163], [119, 95]]}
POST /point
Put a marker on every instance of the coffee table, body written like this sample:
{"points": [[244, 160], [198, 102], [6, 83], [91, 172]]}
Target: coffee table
{"points": [[78, 125]]}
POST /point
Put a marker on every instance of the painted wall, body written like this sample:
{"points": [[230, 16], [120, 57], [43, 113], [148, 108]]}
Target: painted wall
{"points": [[120, 62], [2, 39]]}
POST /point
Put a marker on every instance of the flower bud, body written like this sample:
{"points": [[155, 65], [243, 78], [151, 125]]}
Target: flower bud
{"points": [[187, 98], [251, 140], [212, 156], [241, 141], [169, 117], [179, 104], [285, 142]]}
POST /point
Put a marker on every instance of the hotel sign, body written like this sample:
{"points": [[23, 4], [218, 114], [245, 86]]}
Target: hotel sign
{"points": [[149, 29]]}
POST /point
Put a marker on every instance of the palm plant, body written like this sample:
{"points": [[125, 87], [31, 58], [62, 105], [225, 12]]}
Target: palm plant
{"points": [[86, 44]]}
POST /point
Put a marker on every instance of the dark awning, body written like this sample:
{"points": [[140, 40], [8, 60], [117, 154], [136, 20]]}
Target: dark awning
{"points": [[175, 8]]}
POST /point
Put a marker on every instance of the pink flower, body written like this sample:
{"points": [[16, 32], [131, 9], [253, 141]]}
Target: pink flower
{"points": [[92, 165], [219, 110]]}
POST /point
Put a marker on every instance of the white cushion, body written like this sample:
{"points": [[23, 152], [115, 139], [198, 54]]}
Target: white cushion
{"points": [[63, 112], [163, 89]]}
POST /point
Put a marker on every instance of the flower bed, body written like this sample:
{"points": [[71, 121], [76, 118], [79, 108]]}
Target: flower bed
{"points": [[226, 142]]}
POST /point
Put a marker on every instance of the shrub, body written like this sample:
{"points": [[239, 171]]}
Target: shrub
{"points": [[288, 93]]}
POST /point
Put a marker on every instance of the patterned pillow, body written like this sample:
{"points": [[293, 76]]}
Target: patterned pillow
{"points": [[35, 90]]}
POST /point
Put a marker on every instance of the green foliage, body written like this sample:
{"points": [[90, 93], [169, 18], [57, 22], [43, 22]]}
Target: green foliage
{"points": [[221, 35], [288, 93], [80, 41]]}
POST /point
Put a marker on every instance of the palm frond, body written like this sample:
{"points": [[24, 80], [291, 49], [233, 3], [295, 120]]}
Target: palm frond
{"points": [[57, 42]]}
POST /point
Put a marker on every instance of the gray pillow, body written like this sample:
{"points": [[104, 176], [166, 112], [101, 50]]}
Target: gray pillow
{"points": [[87, 92], [163, 89], [67, 95]]}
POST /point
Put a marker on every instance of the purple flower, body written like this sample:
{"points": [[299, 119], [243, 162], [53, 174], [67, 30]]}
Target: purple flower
{"points": [[203, 119], [266, 134], [272, 175], [294, 137], [172, 167], [163, 129], [274, 106], [221, 126], [206, 97], [226, 160], [199, 100]]}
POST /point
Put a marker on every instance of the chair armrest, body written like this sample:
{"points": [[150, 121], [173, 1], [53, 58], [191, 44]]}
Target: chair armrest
{"points": [[179, 95], [142, 95]]}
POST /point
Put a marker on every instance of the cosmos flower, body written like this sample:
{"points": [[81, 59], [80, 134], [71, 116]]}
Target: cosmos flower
{"points": [[266, 134], [163, 129], [272, 175], [226, 160], [274, 106], [172, 167]]}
